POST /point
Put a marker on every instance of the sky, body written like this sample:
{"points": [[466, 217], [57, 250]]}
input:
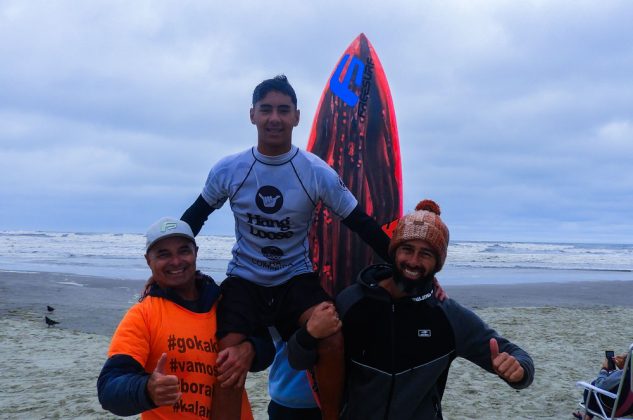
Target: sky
{"points": [[516, 117]]}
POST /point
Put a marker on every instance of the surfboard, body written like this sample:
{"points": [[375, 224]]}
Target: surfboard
{"points": [[355, 132]]}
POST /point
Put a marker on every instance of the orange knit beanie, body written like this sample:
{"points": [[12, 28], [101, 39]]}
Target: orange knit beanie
{"points": [[424, 224]]}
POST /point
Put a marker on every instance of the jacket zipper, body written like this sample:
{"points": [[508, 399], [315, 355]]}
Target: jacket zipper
{"points": [[393, 359]]}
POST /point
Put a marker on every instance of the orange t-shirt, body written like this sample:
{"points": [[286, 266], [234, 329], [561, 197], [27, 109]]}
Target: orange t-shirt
{"points": [[156, 326]]}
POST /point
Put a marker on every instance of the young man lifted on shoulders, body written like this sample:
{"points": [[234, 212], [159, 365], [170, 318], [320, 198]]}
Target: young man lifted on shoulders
{"points": [[273, 189]]}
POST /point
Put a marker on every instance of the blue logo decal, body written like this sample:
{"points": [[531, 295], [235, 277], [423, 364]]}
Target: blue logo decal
{"points": [[343, 89]]}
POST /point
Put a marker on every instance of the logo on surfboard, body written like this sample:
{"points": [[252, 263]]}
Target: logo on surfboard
{"points": [[342, 88], [362, 74]]}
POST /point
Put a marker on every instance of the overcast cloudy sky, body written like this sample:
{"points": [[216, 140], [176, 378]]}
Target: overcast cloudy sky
{"points": [[516, 117]]}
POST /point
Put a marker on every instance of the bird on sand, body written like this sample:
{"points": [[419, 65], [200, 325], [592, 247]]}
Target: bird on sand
{"points": [[50, 322]]}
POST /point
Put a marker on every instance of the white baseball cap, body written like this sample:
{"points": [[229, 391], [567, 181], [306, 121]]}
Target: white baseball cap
{"points": [[167, 227]]}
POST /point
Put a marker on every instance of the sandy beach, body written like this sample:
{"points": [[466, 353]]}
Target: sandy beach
{"points": [[51, 372]]}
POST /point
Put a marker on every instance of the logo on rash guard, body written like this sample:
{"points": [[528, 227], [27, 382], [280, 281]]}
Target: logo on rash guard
{"points": [[424, 333], [272, 253], [267, 228], [269, 199]]}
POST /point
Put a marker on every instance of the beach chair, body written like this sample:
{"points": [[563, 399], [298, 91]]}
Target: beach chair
{"points": [[616, 406]]}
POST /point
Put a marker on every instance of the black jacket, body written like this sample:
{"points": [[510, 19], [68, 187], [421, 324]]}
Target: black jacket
{"points": [[398, 352]]}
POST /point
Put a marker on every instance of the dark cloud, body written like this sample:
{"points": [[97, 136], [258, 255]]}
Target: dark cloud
{"points": [[515, 117]]}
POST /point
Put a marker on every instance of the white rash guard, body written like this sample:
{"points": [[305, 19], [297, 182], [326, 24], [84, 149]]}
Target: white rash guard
{"points": [[273, 201]]}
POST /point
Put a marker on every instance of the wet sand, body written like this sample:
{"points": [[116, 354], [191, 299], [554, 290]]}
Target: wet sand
{"points": [[51, 371]]}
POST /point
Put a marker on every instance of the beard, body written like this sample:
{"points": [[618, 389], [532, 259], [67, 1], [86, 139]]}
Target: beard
{"points": [[410, 287]]}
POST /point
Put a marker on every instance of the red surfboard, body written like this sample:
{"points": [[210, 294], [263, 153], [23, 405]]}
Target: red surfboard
{"points": [[355, 132]]}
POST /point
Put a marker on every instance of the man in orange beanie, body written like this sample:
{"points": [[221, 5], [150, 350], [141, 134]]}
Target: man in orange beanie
{"points": [[399, 339]]}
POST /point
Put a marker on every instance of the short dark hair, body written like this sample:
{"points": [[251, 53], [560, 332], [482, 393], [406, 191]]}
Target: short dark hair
{"points": [[276, 84]]}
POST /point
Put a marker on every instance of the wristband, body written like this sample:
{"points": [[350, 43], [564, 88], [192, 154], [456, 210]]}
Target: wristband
{"points": [[305, 339]]}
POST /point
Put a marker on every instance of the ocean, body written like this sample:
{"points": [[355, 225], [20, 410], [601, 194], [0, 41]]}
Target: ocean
{"points": [[120, 256]]}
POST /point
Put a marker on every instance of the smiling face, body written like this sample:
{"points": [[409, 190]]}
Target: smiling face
{"points": [[173, 264], [415, 259], [275, 116], [414, 266]]}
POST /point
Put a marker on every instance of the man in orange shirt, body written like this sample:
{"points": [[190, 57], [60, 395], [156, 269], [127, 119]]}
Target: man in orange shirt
{"points": [[163, 360]]}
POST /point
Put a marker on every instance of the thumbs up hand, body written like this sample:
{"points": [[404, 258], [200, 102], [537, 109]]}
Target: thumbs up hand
{"points": [[505, 365], [163, 389]]}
